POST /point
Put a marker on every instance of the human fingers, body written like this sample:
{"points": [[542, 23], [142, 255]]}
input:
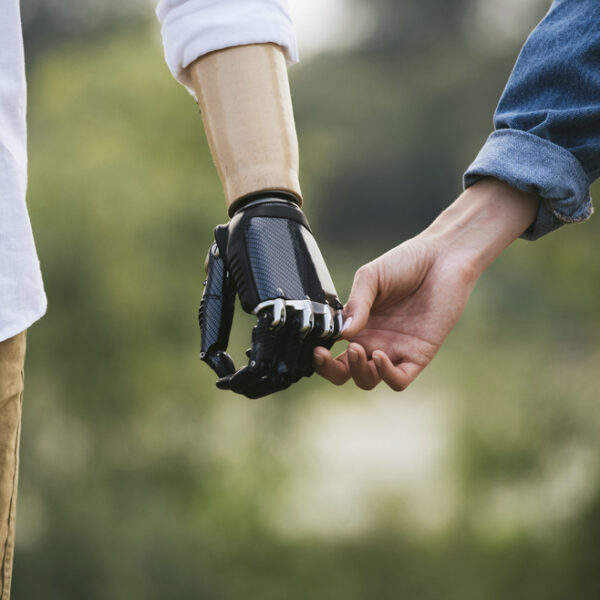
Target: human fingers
{"points": [[360, 301], [398, 377], [334, 370], [363, 371]]}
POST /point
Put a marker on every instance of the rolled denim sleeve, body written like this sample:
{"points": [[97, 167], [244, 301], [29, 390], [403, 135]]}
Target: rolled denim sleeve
{"points": [[547, 123]]}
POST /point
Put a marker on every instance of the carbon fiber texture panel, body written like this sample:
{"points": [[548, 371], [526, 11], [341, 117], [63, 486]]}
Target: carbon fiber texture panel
{"points": [[275, 262], [216, 307]]}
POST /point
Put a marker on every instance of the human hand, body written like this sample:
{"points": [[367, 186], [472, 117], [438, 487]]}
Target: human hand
{"points": [[404, 304], [268, 255], [401, 308]]}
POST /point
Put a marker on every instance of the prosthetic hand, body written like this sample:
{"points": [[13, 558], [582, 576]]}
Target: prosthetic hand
{"points": [[268, 255]]}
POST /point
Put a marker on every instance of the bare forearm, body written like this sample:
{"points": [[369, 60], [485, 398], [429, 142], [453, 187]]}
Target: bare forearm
{"points": [[482, 222], [404, 303], [246, 106]]}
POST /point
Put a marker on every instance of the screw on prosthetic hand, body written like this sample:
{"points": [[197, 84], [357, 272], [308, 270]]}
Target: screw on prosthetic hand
{"points": [[269, 257]]}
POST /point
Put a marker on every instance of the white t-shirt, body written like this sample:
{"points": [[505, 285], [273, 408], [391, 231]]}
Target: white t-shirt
{"points": [[190, 29]]}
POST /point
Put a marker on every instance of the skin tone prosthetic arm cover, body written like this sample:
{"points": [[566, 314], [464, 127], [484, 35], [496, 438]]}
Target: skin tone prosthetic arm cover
{"points": [[232, 55], [244, 97]]}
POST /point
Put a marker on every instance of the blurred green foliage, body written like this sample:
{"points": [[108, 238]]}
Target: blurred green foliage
{"points": [[410, 106], [47, 23], [138, 480]]}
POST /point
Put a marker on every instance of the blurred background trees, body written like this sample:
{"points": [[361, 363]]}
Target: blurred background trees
{"points": [[48, 23], [138, 480]]}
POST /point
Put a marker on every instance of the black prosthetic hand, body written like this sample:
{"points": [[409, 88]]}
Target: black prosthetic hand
{"points": [[268, 256]]}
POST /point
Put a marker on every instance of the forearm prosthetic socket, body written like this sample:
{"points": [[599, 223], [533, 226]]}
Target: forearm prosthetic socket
{"points": [[266, 254]]}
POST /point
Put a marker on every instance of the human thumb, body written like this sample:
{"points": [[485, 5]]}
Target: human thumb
{"points": [[363, 294]]}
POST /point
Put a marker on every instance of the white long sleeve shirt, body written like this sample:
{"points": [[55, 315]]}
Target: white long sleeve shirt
{"points": [[190, 29], [22, 298]]}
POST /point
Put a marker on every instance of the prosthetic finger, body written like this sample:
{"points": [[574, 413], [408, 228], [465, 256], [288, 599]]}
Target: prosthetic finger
{"points": [[272, 357], [327, 327], [258, 377], [308, 324], [320, 320], [289, 368], [216, 315], [282, 345]]}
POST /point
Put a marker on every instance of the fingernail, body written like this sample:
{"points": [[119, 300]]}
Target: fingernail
{"points": [[347, 324], [377, 359], [319, 360], [352, 355]]}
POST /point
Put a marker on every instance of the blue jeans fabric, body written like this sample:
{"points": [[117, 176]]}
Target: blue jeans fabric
{"points": [[547, 123]]}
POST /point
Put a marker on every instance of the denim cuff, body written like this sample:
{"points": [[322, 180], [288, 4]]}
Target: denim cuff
{"points": [[533, 164]]}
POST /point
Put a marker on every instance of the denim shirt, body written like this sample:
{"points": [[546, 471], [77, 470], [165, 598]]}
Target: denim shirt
{"points": [[547, 123]]}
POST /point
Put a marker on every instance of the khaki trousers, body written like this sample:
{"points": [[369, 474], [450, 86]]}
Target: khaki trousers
{"points": [[12, 358]]}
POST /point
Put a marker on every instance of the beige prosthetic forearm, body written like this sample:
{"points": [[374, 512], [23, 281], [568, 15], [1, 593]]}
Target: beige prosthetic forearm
{"points": [[244, 96]]}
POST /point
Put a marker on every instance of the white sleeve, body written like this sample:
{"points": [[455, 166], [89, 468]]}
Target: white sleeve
{"points": [[192, 28]]}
